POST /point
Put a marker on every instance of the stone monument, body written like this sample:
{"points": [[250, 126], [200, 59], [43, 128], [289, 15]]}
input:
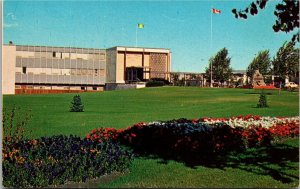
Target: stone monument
{"points": [[257, 79]]}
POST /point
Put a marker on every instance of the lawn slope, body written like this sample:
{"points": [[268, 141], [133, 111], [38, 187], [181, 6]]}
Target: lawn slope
{"points": [[120, 109]]}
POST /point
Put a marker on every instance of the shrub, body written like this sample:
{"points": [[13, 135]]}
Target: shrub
{"points": [[166, 82], [262, 103], [152, 83], [55, 160], [76, 104]]}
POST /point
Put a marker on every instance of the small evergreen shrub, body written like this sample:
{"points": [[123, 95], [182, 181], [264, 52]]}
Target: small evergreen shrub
{"points": [[76, 104], [262, 103]]}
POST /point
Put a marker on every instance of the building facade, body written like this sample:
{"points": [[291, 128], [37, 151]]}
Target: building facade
{"points": [[41, 69], [127, 64], [188, 79]]}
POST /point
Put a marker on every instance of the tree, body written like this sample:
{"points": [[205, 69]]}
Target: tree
{"points": [[220, 66], [287, 13], [76, 104], [262, 102], [286, 61], [261, 62]]}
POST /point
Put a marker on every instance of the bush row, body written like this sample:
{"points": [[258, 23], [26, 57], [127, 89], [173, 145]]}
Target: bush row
{"points": [[157, 82], [55, 160]]}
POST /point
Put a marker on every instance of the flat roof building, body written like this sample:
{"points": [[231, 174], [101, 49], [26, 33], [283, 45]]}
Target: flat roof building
{"points": [[43, 69]]}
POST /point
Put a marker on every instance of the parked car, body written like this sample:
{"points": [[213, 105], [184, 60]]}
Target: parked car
{"points": [[291, 85]]}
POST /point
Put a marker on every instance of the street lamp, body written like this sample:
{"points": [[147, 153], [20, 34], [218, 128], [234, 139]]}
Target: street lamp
{"points": [[211, 75]]}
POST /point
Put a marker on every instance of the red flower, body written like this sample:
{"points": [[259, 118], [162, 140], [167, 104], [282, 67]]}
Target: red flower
{"points": [[195, 120]]}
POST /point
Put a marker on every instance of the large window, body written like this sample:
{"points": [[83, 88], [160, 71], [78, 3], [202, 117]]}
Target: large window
{"points": [[24, 70]]}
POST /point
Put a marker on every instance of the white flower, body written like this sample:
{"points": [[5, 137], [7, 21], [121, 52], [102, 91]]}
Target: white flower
{"points": [[265, 122]]}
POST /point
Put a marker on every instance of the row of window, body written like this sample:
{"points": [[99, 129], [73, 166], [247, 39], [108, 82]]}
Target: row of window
{"points": [[94, 88], [61, 64], [94, 72], [58, 49], [61, 55], [59, 79]]}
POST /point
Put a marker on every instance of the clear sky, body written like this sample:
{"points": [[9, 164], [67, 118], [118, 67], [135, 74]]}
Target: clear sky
{"points": [[183, 27]]}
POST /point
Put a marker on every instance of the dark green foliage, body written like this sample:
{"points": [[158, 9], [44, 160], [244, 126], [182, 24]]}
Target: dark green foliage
{"points": [[153, 83], [58, 159], [286, 61], [182, 140], [262, 103], [261, 62], [287, 14], [76, 104], [166, 82], [252, 9], [220, 67]]}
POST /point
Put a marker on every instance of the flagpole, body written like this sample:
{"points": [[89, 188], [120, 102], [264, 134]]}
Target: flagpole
{"points": [[211, 45], [136, 29]]}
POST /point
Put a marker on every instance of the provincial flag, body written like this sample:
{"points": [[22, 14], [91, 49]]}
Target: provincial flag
{"points": [[216, 11], [140, 25]]}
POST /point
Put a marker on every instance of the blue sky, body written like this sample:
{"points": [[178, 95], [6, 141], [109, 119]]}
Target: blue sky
{"points": [[184, 27]]}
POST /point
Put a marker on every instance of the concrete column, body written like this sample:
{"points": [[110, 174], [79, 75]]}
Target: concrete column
{"points": [[8, 69]]}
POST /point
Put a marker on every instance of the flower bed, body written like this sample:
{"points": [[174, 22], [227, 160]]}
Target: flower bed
{"points": [[202, 137], [55, 160], [252, 121], [103, 134]]}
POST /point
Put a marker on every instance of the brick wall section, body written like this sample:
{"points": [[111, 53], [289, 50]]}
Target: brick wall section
{"points": [[158, 65]]}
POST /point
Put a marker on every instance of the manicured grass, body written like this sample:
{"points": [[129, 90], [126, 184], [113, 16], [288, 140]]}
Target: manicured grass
{"points": [[256, 168], [120, 109], [275, 167]]}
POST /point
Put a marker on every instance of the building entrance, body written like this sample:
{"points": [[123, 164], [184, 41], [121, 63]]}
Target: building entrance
{"points": [[134, 74]]}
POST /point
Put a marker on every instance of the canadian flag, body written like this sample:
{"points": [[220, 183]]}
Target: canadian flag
{"points": [[216, 11]]}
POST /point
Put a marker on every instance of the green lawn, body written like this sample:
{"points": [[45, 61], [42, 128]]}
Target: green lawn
{"points": [[120, 109], [262, 168]]}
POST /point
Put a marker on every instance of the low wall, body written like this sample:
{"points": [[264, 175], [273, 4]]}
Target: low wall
{"points": [[122, 86]]}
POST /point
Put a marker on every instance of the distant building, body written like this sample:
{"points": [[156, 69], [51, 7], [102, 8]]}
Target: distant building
{"points": [[239, 76], [43, 69], [188, 79]]}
